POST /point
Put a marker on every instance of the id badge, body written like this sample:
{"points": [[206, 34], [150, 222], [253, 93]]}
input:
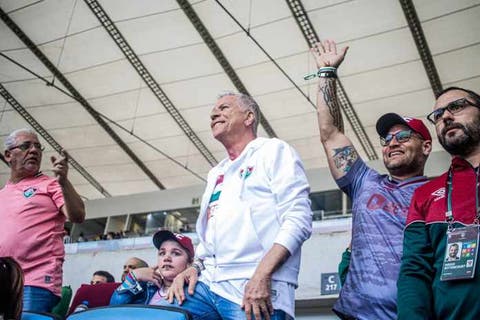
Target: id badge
{"points": [[461, 254]]}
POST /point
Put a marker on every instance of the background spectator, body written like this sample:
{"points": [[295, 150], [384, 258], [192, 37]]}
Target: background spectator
{"points": [[11, 289], [132, 264], [102, 277], [81, 238], [67, 238]]}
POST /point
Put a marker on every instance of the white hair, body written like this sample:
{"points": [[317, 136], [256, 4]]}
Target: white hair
{"points": [[11, 139], [246, 102]]}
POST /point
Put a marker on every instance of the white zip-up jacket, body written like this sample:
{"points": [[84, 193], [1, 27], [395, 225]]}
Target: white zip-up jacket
{"points": [[264, 200]]}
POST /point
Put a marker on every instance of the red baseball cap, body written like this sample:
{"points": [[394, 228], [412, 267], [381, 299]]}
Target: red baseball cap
{"points": [[163, 235], [388, 120]]}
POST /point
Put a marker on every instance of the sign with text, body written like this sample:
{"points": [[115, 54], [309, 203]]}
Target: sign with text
{"points": [[329, 284]]}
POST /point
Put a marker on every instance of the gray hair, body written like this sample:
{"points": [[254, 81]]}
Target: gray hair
{"points": [[248, 103], [11, 139]]}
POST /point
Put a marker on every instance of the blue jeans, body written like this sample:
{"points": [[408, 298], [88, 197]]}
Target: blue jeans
{"points": [[206, 305], [38, 299]]}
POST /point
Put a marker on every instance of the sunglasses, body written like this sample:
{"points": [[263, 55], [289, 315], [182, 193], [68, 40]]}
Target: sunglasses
{"points": [[27, 145], [453, 107], [400, 136]]}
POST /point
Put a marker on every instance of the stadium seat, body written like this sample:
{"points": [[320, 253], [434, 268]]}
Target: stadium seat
{"points": [[97, 295], [132, 312], [31, 315]]}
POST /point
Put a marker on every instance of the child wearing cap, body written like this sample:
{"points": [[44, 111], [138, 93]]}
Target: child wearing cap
{"points": [[150, 285]]}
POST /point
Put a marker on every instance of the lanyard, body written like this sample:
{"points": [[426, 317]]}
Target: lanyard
{"points": [[449, 213]]}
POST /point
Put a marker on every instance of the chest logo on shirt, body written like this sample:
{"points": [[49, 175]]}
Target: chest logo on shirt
{"points": [[439, 194], [246, 174], [30, 192], [378, 201]]}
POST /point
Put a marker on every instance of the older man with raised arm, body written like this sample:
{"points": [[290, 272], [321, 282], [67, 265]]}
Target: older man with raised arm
{"points": [[33, 209], [255, 216], [440, 274], [379, 202]]}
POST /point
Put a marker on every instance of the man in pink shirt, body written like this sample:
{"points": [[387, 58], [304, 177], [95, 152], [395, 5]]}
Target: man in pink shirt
{"points": [[33, 209]]}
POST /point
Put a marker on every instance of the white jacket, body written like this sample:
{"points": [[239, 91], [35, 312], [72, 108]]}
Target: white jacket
{"points": [[264, 200]]}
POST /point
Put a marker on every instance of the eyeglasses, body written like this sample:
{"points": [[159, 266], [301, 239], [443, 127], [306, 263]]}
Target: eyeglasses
{"points": [[400, 136], [453, 107], [27, 145]]}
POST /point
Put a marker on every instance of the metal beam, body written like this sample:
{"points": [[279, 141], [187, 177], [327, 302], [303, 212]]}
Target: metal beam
{"points": [[308, 31], [217, 52], [422, 45], [80, 99], [45, 135], [143, 72]]}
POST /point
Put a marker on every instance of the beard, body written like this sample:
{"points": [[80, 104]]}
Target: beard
{"points": [[406, 166], [464, 144]]}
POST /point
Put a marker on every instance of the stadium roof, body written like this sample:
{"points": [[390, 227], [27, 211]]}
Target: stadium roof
{"points": [[127, 86]]}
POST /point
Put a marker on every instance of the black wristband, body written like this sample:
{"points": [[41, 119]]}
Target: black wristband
{"points": [[327, 74]]}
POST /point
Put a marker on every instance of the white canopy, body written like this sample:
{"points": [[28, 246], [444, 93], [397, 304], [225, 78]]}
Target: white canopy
{"points": [[171, 63]]}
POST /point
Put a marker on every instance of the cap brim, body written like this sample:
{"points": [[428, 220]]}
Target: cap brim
{"points": [[387, 121]]}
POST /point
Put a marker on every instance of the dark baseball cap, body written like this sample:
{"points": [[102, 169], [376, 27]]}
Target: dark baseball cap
{"points": [[388, 120]]}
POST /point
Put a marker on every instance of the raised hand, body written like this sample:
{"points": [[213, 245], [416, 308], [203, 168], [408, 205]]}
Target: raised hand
{"points": [[149, 274], [60, 166], [327, 54]]}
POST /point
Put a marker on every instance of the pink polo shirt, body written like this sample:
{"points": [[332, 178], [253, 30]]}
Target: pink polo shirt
{"points": [[31, 229]]}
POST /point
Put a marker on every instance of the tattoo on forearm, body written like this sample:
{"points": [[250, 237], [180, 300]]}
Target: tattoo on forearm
{"points": [[329, 95], [344, 157]]}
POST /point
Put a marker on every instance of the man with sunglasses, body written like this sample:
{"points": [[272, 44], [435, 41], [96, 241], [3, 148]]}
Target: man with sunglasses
{"points": [[33, 209], [380, 202], [444, 214]]}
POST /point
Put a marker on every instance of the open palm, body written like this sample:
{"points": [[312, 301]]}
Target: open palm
{"points": [[327, 55]]}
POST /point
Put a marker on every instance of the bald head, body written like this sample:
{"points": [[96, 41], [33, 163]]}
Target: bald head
{"points": [[132, 264]]}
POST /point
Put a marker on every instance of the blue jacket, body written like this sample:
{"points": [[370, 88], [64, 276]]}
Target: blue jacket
{"points": [[132, 291]]}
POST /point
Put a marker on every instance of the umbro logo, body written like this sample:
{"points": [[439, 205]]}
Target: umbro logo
{"points": [[439, 194]]}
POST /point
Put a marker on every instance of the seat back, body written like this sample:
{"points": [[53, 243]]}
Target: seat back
{"points": [[31, 315], [132, 312], [97, 295]]}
